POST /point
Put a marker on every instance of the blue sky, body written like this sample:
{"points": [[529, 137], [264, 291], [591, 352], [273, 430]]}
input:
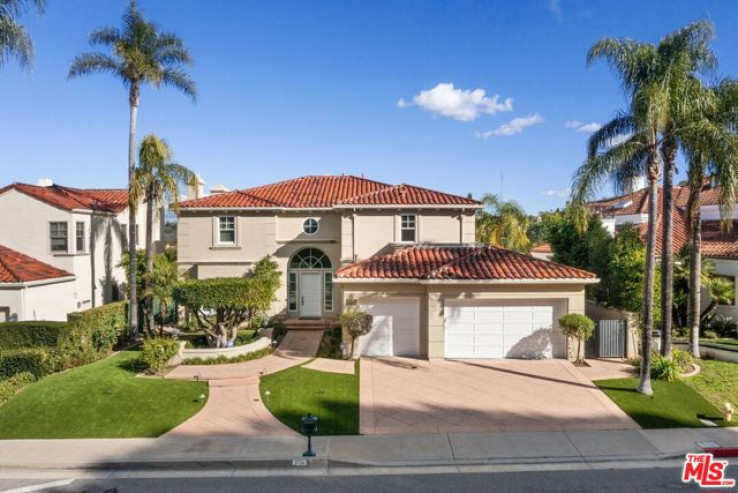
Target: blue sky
{"points": [[289, 88]]}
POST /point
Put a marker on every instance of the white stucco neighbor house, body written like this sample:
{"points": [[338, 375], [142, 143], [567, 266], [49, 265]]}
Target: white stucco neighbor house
{"points": [[718, 245], [80, 232], [403, 253]]}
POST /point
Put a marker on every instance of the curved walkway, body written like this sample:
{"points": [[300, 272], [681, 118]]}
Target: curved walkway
{"points": [[234, 407]]}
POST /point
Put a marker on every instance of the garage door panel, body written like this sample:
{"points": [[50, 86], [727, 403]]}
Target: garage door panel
{"points": [[500, 331], [395, 328]]}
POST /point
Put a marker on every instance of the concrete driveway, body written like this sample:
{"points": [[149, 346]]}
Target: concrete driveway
{"points": [[405, 396]]}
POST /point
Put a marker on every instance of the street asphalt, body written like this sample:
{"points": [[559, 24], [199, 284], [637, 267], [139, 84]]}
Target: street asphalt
{"points": [[609, 480]]}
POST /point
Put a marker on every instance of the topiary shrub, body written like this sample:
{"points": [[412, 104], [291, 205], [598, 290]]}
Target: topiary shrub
{"points": [[14, 384], [36, 361], [23, 335], [357, 323], [580, 327], [157, 351]]}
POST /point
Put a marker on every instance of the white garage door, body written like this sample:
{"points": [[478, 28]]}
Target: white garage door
{"points": [[395, 330], [481, 331]]}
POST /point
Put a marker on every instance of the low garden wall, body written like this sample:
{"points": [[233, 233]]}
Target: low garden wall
{"points": [[711, 352], [227, 352]]}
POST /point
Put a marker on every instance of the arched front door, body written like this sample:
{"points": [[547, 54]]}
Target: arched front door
{"points": [[310, 283]]}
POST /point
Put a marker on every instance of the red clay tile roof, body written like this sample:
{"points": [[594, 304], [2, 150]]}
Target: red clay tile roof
{"points": [[319, 192], [67, 198], [637, 202], [542, 248], [16, 267], [717, 243], [460, 263]]}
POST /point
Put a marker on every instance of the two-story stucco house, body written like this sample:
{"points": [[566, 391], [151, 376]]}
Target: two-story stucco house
{"points": [[401, 252], [60, 248]]}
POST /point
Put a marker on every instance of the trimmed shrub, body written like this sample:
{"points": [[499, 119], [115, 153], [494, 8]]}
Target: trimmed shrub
{"points": [[357, 323], [665, 369], [23, 335], [35, 361], [14, 384], [157, 351], [578, 326], [98, 328]]}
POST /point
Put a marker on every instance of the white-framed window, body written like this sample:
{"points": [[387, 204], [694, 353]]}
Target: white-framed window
{"points": [[310, 226], [59, 237], [124, 234], [408, 228], [292, 291], [328, 291], [227, 230], [79, 236]]}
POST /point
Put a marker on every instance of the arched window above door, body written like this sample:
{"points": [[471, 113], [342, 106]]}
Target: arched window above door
{"points": [[310, 258]]}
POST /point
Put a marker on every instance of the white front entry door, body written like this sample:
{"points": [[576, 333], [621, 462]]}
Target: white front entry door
{"points": [[500, 331], [311, 294], [395, 328]]}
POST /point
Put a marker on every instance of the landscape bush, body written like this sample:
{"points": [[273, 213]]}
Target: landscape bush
{"points": [[664, 369], [14, 384], [36, 361], [99, 328], [22, 335], [721, 326], [157, 351], [357, 323], [579, 327]]}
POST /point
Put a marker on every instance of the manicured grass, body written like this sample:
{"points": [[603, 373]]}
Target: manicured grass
{"points": [[100, 400], [673, 405], [332, 397], [717, 382]]}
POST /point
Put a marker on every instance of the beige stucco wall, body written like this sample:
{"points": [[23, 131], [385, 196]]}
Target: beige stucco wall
{"points": [[566, 298], [38, 302], [342, 235]]}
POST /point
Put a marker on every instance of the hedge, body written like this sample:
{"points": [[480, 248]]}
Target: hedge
{"points": [[13, 385], [97, 329], [20, 335], [38, 362]]}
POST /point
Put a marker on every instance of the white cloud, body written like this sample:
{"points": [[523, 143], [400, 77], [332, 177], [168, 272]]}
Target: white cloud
{"points": [[514, 126], [555, 7], [583, 127], [563, 192], [460, 104]]}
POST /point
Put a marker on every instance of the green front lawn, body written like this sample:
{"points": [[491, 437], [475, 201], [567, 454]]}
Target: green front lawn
{"points": [[717, 382], [673, 404], [100, 400], [332, 397], [726, 342]]}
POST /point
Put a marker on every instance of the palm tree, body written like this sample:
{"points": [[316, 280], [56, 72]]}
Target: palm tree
{"points": [[15, 41], [156, 180], [503, 224], [710, 143], [162, 279], [140, 54]]}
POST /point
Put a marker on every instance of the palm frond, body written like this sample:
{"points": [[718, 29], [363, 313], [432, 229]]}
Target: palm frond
{"points": [[616, 129], [106, 36], [177, 78], [95, 63], [15, 42]]}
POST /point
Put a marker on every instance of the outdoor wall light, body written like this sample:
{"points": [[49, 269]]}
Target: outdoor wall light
{"points": [[309, 426]]}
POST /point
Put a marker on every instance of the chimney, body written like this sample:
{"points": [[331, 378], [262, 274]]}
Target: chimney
{"points": [[45, 182], [635, 184], [196, 191], [218, 189]]}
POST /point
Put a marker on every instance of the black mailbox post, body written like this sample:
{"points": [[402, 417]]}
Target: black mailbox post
{"points": [[309, 426]]}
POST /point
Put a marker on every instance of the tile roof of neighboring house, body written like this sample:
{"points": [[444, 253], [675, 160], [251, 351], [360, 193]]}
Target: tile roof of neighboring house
{"points": [[542, 248], [717, 243], [319, 192], [68, 198], [637, 202], [460, 263], [16, 267], [681, 231]]}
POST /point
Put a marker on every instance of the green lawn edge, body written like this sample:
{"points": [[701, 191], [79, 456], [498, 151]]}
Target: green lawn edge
{"points": [[104, 399], [332, 397]]}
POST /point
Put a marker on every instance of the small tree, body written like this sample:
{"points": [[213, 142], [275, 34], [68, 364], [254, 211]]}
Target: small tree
{"points": [[580, 327], [357, 323], [161, 282]]}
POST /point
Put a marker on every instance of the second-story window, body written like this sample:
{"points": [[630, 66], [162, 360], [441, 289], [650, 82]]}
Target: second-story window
{"points": [[310, 226], [58, 235], [408, 229], [227, 230], [80, 236]]}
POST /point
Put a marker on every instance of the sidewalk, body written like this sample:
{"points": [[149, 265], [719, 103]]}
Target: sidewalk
{"points": [[169, 453]]}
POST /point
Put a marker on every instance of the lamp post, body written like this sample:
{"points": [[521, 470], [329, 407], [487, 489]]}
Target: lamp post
{"points": [[308, 426]]}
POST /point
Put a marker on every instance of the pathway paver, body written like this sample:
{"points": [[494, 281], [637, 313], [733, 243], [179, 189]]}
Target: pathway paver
{"points": [[234, 407], [332, 365]]}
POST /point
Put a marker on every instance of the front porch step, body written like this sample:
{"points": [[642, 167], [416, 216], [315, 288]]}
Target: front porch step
{"points": [[310, 324]]}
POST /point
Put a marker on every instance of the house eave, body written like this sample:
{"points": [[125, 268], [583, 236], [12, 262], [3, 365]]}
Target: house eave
{"points": [[40, 282], [382, 280]]}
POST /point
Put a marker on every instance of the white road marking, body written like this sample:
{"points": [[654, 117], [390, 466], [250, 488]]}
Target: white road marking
{"points": [[42, 486]]}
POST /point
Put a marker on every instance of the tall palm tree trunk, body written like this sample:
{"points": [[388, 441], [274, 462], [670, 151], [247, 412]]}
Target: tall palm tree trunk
{"points": [[644, 386], [668, 151], [695, 270], [132, 240], [149, 301]]}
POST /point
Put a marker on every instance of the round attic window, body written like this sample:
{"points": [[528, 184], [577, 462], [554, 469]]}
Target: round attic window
{"points": [[310, 226]]}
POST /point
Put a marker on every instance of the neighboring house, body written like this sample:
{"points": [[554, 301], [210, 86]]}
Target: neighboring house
{"points": [[78, 231], [401, 252], [721, 247], [542, 251]]}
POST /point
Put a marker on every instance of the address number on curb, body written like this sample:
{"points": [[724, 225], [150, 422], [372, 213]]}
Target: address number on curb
{"points": [[299, 463]]}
